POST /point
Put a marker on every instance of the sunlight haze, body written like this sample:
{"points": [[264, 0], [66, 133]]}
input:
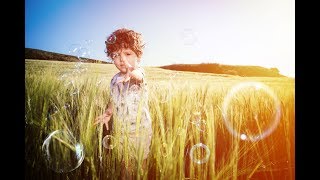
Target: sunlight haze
{"points": [[232, 32]]}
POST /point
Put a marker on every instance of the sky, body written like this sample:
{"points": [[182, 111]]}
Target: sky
{"points": [[231, 32]]}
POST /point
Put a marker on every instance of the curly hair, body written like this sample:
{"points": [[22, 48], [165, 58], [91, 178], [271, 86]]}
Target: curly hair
{"points": [[124, 38]]}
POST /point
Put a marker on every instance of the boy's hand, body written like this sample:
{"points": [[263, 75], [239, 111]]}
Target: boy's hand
{"points": [[132, 73], [104, 119]]}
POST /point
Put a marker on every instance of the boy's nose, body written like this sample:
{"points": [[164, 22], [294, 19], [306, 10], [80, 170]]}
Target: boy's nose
{"points": [[122, 58]]}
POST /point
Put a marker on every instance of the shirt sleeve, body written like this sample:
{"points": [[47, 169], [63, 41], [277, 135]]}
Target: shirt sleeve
{"points": [[112, 82]]}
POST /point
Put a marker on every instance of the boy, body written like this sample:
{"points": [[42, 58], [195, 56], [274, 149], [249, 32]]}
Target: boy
{"points": [[129, 99]]}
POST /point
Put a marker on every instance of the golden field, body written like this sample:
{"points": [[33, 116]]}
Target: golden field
{"points": [[245, 124]]}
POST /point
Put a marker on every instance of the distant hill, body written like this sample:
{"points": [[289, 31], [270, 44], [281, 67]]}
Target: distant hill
{"points": [[30, 53], [204, 67], [238, 70]]}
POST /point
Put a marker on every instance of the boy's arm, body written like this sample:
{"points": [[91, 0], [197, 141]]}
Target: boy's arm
{"points": [[109, 109]]}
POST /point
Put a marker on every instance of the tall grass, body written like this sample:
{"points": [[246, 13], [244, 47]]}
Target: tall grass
{"points": [[186, 109]]}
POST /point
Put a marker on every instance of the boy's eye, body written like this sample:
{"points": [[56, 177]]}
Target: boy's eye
{"points": [[128, 54]]}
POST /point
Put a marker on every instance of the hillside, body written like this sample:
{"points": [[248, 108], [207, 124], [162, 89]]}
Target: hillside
{"points": [[247, 71], [30, 53]]}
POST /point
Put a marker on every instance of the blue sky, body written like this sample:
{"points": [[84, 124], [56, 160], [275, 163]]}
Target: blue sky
{"points": [[234, 32]]}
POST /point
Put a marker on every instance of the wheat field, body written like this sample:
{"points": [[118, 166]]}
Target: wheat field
{"points": [[205, 126]]}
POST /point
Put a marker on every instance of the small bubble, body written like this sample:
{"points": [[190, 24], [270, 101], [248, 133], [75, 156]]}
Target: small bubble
{"points": [[164, 149], [83, 54], [200, 124], [188, 37], [73, 49], [111, 39], [53, 110], [88, 42], [199, 153], [81, 51], [108, 142], [98, 83], [67, 106]]}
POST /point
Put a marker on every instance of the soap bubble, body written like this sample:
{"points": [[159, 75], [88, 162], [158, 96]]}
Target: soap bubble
{"points": [[251, 111], [62, 153], [80, 51], [200, 124], [74, 49], [199, 153], [111, 39], [108, 142], [83, 54], [188, 37]]}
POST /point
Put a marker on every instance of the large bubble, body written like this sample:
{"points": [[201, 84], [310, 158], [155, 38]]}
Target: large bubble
{"points": [[251, 111], [62, 153], [83, 54], [80, 51], [74, 49]]}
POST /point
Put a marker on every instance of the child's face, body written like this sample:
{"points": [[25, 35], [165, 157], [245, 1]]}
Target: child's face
{"points": [[123, 58]]}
